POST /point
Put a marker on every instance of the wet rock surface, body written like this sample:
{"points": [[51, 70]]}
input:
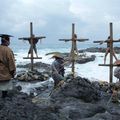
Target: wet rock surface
{"points": [[77, 99]]}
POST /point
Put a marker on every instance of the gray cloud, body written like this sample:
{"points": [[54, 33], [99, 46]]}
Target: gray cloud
{"points": [[54, 18]]}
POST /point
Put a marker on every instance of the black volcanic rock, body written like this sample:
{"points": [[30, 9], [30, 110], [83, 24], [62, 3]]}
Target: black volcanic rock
{"points": [[97, 49], [78, 99], [87, 59], [39, 65], [79, 88]]}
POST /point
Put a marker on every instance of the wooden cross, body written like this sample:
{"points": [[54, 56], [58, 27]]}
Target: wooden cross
{"points": [[32, 39], [74, 49], [110, 65]]}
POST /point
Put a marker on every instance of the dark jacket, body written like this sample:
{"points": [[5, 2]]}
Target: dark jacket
{"points": [[57, 70], [58, 66]]}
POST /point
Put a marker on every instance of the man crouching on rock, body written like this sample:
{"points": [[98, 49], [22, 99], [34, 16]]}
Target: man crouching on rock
{"points": [[58, 70], [7, 65]]}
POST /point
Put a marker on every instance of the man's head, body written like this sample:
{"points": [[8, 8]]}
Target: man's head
{"points": [[5, 39]]}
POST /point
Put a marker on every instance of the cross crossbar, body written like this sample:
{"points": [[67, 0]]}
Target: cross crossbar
{"points": [[107, 65], [28, 38], [79, 40], [32, 58], [105, 41]]}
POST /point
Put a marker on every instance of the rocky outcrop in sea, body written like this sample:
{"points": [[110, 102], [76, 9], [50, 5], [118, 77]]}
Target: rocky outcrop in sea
{"points": [[81, 58], [98, 49], [38, 65]]}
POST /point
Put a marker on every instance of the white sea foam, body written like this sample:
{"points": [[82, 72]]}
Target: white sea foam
{"points": [[93, 71], [30, 87], [41, 53]]}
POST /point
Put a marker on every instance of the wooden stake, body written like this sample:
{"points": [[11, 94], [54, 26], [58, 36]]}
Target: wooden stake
{"points": [[31, 39]]}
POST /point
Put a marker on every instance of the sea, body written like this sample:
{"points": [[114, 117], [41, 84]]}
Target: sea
{"points": [[90, 70]]}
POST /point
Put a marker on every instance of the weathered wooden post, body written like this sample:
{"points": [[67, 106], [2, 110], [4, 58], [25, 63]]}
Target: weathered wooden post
{"points": [[74, 49], [31, 39], [111, 53], [110, 65]]}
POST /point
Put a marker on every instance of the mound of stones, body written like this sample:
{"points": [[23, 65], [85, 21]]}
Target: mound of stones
{"points": [[32, 75]]}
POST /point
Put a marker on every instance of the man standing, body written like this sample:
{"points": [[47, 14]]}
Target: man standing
{"points": [[7, 65]]}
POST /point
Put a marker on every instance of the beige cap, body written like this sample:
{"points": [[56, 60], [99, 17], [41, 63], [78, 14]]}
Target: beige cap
{"points": [[57, 56]]}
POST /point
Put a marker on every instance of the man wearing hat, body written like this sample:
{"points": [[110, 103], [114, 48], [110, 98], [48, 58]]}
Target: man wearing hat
{"points": [[57, 69], [7, 65]]}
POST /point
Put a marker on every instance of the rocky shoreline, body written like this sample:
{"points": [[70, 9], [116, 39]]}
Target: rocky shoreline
{"points": [[77, 99]]}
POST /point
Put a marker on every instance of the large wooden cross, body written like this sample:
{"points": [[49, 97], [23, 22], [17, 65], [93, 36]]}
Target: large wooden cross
{"points": [[110, 65], [74, 49], [31, 39]]}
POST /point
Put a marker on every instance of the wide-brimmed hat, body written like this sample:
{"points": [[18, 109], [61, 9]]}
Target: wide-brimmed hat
{"points": [[117, 62], [57, 56], [5, 35]]}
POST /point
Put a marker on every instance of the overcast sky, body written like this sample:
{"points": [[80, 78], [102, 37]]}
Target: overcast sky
{"points": [[54, 18]]}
